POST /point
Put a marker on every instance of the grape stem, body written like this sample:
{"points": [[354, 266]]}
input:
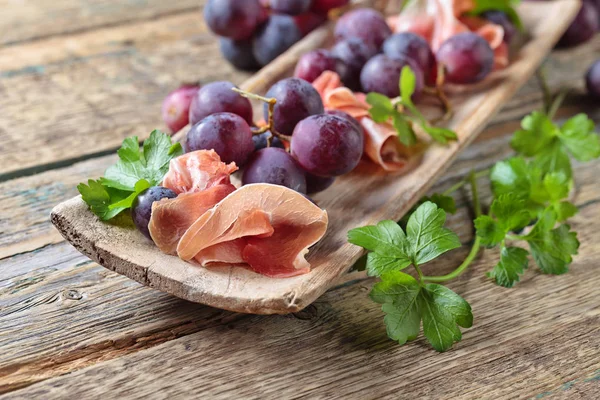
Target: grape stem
{"points": [[270, 126]]}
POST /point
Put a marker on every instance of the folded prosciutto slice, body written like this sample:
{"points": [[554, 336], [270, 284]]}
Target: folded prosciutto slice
{"points": [[197, 171], [381, 139], [269, 227], [171, 218]]}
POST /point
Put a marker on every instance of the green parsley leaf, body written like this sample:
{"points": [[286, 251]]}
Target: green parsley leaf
{"points": [[511, 176], [552, 249], [408, 82], [406, 134], [444, 202], [554, 158], [134, 172], [398, 292], [443, 311], [490, 231], [577, 134], [537, 133], [151, 165], [513, 262], [381, 107], [405, 302], [426, 234], [510, 214]]}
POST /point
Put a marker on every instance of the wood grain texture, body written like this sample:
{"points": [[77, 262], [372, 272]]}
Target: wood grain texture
{"points": [[66, 98], [126, 251], [23, 21], [526, 341]]}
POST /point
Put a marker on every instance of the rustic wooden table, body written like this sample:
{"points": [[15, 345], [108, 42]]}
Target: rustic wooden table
{"points": [[76, 77]]}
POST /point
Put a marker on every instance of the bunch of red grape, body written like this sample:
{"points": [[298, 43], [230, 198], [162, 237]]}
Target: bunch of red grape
{"points": [[369, 58], [254, 32], [322, 145]]}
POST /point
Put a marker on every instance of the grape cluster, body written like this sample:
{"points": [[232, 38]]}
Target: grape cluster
{"points": [[254, 32], [304, 149], [368, 57]]}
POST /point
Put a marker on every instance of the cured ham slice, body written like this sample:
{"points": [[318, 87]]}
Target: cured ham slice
{"points": [[197, 171], [381, 140], [171, 218], [272, 225]]}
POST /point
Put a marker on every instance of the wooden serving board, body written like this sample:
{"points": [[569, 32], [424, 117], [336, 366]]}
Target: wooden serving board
{"points": [[364, 197]]}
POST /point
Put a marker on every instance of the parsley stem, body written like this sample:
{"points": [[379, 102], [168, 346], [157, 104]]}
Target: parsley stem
{"points": [[419, 272], [541, 76], [476, 243], [515, 237], [557, 103], [461, 183]]}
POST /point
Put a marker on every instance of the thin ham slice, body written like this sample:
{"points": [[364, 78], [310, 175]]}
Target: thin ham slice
{"points": [[197, 171], [171, 218], [272, 225], [381, 140]]}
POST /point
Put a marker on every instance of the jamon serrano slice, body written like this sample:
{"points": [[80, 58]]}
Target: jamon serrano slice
{"points": [[197, 171], [277, 224], [381, 140], [172, 217]]}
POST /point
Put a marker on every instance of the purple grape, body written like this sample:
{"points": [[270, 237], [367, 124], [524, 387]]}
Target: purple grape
{"points": [[583, 27], [290, 7], [352, 54], [363, 23], [312, 64], [141, 210], [347, 117], [323, 6], [596, 4], [296, 100], [466, 57], [407, 45], [592, 79], [239, 53], [500, 18], [316, 184], [326, 145], [226, 133], [275, 166], [277, 35], [382, 75], [235, 19], [307, 22], [176, 107], [260, 141], [218, 97]]}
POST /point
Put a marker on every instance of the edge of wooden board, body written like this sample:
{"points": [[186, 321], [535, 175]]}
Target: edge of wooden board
{"points": [[127, 252]]}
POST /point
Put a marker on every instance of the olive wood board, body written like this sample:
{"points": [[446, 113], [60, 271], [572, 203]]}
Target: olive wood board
{"points": [[363, 197]]}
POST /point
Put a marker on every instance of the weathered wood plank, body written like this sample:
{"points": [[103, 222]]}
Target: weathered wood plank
{"points": [[525, 341], [22, 21], [65, 98], [76, 313]]}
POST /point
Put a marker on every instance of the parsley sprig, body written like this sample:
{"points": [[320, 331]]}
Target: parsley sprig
{"points": [[135, 171], [403, 113], [525, 223]]}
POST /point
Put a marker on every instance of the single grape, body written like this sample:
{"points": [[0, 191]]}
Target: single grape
{"points": [[235, 19], [347, 117], [176, 107], [500, 18], [218, 97], [315, 184], [407, 45], [583, 27], [592, 79], [141, 210], [352, 54], [382, 75], [239, 53], [596, 4], [466, 57], [277, 35], [326, 145], [312, 64], [323, 6], [290, 7], [275, 166], [363, 23], [296, 100], [308, 21], [260, 141], [226, 133]]}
